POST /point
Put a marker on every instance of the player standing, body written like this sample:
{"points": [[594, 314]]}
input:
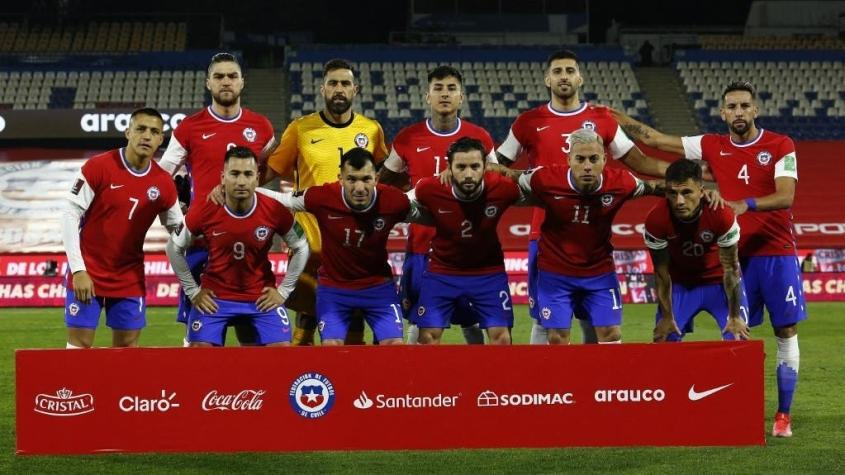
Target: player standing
{"points": [[117, 196], [238, 284], [757, 172], [419, 151], [696, 265], [309, 153]]}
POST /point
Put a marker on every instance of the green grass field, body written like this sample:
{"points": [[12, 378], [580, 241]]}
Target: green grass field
{"points": [[818, 445]]}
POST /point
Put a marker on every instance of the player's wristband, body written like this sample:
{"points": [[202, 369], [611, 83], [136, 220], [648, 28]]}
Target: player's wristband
{"points": [[752, 204]]}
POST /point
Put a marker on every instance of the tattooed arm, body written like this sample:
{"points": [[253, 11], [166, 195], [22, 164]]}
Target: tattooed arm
{"points": [[733, 290], [647, 135]]}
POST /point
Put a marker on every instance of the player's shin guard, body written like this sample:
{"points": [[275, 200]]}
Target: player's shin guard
{"points": [[588, 331], [473, 335], [539, 335], [303, 334], [73, 347], [788, 358], [413, 335], [617, 342]]}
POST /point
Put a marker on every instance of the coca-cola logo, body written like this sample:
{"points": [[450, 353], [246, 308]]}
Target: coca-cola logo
{"points": [[246, 400], [64, 403]]}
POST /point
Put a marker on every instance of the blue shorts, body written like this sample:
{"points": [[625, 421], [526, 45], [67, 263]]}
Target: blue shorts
{"points": [[122, 313], [595, 298], [687, 302], [409, 292], [441, 294], [272, 326], [774, 281], [379, 303], [197, 258], [533, 274]]}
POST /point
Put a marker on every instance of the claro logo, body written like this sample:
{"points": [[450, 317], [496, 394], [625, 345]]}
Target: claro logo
{"points": [[108, 122]]}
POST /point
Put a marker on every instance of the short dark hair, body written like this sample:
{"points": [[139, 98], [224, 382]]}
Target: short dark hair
{"points": [[561, 54], [740, 86], [682, 170], [221, 58], [464, 145], [239, 152], [337, 63], [146, 111], [443, 72], [357, 158]]}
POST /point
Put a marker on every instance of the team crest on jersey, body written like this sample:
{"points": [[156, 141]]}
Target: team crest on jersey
{"points": [[362, 140], [530, 302], [378, 224], [249, 134], [73, 309], [491, 211], [546, 313], [707, 235], [588, 124], [153, 193], [606, 199], [764, 157], [420, 311], [261, 233], [311, 395], [196, 325]]}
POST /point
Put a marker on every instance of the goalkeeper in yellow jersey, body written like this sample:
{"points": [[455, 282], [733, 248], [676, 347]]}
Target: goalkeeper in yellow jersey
{"points": [[309, 155]]}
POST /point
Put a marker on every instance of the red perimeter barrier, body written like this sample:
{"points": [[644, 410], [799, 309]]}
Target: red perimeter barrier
{"points": [[385, 398]]}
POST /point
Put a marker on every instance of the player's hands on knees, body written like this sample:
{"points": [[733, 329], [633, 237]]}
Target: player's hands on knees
{"points": [[715, 199], [83, 287], [270, 299], [737, 328], [664, 328], [204, 301], [446, 177], [217, 196]]}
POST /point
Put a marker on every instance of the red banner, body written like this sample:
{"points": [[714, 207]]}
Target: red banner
{"points": [[295, 399]]}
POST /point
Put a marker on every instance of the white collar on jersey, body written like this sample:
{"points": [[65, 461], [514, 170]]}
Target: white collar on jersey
{"points": [[129, 167], [226, 120], [577, 111], [369, 206], [474, 197], [572, 183], [443, 134], [750, 142], [235, 215]]}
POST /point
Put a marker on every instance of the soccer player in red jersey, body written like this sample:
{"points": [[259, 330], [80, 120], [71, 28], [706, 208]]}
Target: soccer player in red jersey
{"points": [[575, 256], [757, 172], [543, 135], [696, 265], [117, 196], [419, 151], [201, 140], [238, 284], [466, 261], [355, 216]]}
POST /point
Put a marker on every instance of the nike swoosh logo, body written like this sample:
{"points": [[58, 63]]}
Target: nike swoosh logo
{"points": [[443, 211], [559, 197], [114, 187], [313, 141], [335, 217], [422, 149], [695, 395], [215, 233], [540, 129], [205, 136], [724, 153]]}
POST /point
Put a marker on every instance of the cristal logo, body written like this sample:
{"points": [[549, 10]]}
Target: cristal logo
{"points": [[491, 399], [630, 395], [246, 400], [64, 403], [139, 404], [362, 401]]}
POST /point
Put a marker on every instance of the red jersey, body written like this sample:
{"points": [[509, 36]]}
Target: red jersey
{"points": [[693, 245], [201, 141], [121, 204], [575, 237], [749, 170], [238, 267], [420, 151], [355, 242], [466, 241], [543, 134]]}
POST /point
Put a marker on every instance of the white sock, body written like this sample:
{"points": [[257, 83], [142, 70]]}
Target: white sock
{"points": [[73, 347], [539, 335], [185, 342], [788, 352], [617, 342], [588, 331], [473, 335], [413, 335]]}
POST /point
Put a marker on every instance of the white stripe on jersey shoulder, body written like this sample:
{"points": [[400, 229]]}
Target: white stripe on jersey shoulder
{"points": [[567, 114], [747, 144], [130, 169], [248, 214], [225, 119], [443, 134]]}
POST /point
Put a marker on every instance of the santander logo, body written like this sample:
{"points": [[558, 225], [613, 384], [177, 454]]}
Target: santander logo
{"points": [[246, 400]]}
